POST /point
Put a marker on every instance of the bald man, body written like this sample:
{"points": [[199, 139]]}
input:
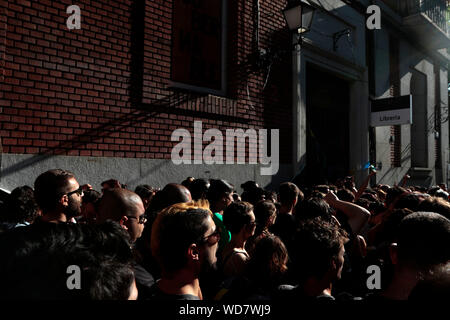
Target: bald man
{"points": [[176, 193], [124, 207], [127, 208]]}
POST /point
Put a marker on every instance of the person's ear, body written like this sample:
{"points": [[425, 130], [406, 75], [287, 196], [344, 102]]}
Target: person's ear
{"points": [[393, 253], [123, 221], [295, 202], [193, 252], [334, 264], [64, 200]]}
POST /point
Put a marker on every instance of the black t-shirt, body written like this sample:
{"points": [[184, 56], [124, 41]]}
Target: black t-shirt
{"points": [[156, 294], [144, 281], [296, 294], [284, 227]]}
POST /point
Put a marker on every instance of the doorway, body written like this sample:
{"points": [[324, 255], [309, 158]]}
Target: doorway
{"points": [[419, 130], [327, 127]]}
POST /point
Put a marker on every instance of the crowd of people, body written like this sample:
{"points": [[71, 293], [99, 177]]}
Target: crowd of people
{"points": [[201, 240]]}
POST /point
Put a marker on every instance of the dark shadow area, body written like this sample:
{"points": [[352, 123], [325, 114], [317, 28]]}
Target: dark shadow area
{"points": [[139, 112], [277, 98], [327, 126]]}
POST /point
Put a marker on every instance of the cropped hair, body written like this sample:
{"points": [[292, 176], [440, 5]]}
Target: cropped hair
{"points": [[216, 189], [50, 186], [288, 192], [316, 243], [436, 204], [36, 259], [423, 239], [433, 286], [175, 229], [236, 216]]}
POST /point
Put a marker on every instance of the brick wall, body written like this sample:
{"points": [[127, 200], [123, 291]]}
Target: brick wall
{"points": [[104, 90]]}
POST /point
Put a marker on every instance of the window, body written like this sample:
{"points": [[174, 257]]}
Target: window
{"points": [[198, 46]]}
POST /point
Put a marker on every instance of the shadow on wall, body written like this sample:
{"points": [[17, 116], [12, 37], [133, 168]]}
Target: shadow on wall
{"points": [[139, 112]]}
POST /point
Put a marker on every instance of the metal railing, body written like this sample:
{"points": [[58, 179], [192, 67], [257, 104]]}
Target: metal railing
{"points": [[436, 10]]}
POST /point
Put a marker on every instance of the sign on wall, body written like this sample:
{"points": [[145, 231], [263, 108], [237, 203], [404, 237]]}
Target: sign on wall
{"points": [[197, 43], [391, 111]]}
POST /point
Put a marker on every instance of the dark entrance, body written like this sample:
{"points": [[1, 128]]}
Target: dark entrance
{"points": [[327, 116]]}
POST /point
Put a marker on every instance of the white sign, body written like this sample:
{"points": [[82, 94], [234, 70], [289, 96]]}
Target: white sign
{"points": [[391, 111]]}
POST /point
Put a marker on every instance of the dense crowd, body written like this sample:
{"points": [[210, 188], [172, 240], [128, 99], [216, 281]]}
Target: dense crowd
{"points": [[201, 240]]}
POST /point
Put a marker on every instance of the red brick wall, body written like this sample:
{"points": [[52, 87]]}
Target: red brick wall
{"points": [[74, 92]]}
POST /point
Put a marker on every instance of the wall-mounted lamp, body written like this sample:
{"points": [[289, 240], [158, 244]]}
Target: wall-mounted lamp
{"points": [[338, 35], [298, 16]]}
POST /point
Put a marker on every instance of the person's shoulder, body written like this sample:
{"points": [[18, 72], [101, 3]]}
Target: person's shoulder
{"points": [[156, 294], [143, 277], [347, 297], [375, 297], [285, 292], [239, 256]]}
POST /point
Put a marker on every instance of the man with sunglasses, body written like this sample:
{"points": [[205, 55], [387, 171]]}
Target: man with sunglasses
{"points": [[59, 196], [184, 242], [126, 208]]}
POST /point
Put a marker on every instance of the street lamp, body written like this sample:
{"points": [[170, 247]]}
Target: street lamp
{"points": [[298, 16]]}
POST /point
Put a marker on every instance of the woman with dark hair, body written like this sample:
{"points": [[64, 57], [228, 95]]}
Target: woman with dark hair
{"points": [[264, 273], [240, 220], [89, 205], [265, 214], [146, 193], [266, 268]]}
